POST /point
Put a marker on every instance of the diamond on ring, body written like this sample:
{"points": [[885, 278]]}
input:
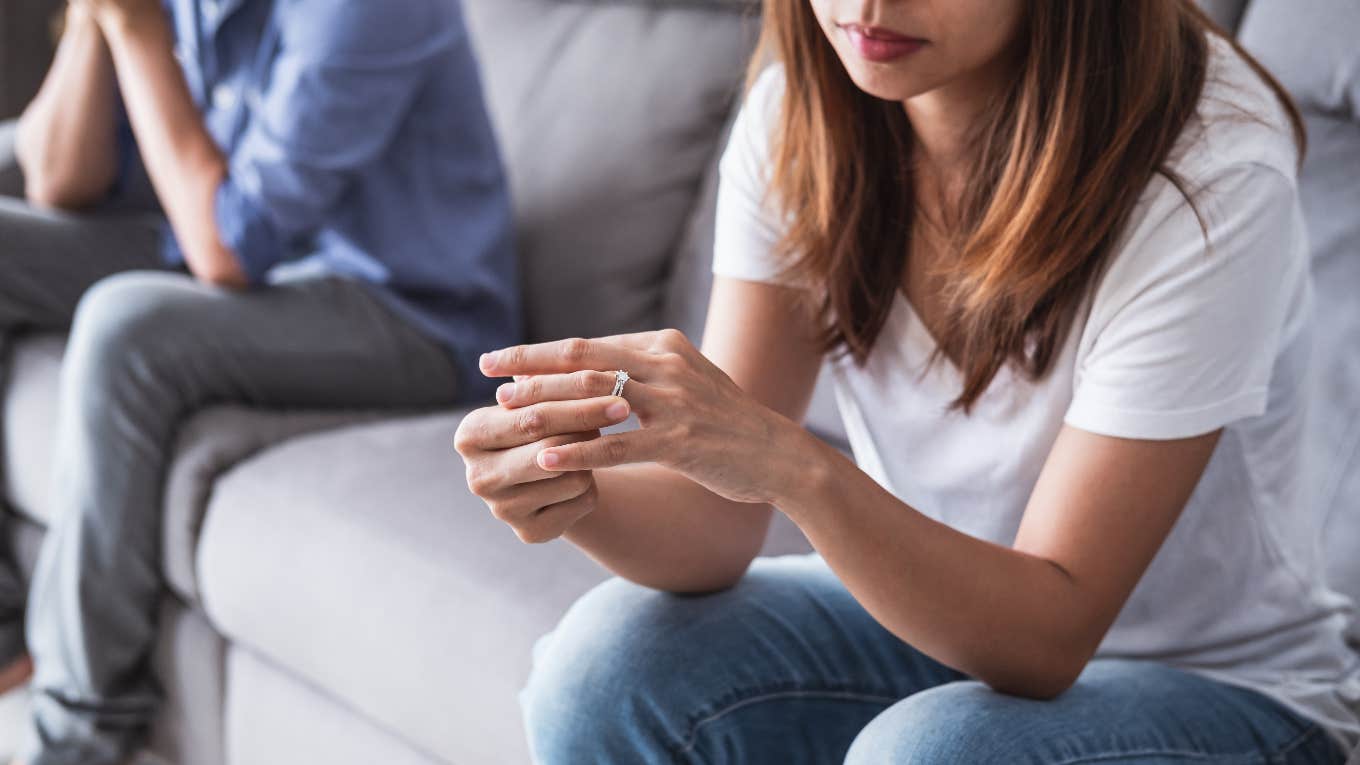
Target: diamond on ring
{"points": [[620, 379]]}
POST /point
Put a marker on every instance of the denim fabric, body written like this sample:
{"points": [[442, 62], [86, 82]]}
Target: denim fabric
{"points": [[788, 668]]}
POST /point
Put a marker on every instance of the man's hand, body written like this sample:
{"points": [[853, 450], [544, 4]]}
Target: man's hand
{"points": [[120, 14]]}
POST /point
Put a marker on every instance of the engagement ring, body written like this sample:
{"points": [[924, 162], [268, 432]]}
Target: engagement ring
{"points": [[620, 379]]}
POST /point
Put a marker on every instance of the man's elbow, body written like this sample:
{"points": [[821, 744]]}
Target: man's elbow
{"points": [[54, 184], [53, 191]]}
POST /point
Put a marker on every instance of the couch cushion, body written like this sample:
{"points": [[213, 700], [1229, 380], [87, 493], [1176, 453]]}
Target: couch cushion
{"points": [[28, 413], [274, 719], [358, 560], [1311, 48], [609, 114]]}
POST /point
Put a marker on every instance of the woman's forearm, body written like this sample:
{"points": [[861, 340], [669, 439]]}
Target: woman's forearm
{"points": [[1013, 620], [658, 528], [67, 140]]}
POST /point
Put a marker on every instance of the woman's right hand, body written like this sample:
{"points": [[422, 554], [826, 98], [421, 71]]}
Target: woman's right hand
{"points": [[500, 446]]}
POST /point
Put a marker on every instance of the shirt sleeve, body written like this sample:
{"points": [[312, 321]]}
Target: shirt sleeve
{"points": [[338, 91], [748, 226], [1184, 333]]}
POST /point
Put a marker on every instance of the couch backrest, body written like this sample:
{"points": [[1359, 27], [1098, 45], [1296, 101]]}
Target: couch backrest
{"points": [[1314, 50], [610, 115]]}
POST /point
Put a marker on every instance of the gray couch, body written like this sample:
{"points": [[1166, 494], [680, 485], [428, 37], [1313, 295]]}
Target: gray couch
{"points": [[335, 593]]}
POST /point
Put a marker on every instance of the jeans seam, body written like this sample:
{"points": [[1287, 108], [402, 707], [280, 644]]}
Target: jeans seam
{"points": [[692, 738], [1244, 757]]}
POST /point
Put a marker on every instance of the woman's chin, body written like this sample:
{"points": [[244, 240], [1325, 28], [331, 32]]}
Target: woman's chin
{"points": [[889, 84]]}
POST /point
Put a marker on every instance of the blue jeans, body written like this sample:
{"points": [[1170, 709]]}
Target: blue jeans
{"points": [[788, 668]]}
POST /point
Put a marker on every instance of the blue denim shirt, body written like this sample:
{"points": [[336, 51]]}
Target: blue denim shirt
{"points": [[359, 145]]}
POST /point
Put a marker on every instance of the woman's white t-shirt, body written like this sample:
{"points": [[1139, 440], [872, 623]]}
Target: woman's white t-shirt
{"points": [[1180, 340]]}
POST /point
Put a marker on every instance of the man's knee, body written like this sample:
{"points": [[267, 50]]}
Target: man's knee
{"points": [[121, 323]]}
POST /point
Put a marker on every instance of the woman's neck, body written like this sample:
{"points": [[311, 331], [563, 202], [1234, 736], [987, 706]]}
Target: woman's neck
{"points": [[943, 122]]}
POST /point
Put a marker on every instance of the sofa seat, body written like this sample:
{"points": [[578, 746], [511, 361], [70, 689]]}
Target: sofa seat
{"points": [[359, 560], [29, 417]]}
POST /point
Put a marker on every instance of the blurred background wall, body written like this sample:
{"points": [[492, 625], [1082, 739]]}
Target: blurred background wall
{"points": [[25, 50]]}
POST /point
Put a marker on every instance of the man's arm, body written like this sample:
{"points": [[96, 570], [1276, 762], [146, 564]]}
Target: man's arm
{"points": [[67, 143], [184, 163], [344, 86]]}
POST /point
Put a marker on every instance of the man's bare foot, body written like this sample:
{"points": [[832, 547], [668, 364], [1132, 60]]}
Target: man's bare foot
{"points": [[15, 674]]}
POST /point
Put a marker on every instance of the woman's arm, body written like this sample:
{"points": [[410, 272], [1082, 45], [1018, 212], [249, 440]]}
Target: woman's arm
{"points": [[67, 142], [1024, 619], [659, 528]]}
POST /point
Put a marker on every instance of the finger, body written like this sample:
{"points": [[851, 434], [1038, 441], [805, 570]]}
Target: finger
{"points": [[554, 521], [576, 386], [560, 387], [563, 356], [527, 499], [657, 341], [508, 428], [520, 465], [603, 452]]}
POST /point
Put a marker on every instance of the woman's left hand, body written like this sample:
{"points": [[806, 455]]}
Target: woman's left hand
{"points": [[695, 419]]}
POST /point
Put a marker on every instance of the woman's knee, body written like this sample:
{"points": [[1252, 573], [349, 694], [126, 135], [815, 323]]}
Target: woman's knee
{"points": [[959, 722], [597, 679]]}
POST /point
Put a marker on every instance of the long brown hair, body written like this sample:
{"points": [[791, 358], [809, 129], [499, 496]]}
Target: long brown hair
{"points": [[1103, 91]]}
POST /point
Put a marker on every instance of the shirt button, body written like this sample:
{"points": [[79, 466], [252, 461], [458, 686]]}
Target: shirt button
{"points": [[224, 96]]}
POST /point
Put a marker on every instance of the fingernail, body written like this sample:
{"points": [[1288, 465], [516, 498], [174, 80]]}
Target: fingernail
{"points": [[488, 360], [549, 459], [505, 392], [617, 410]]}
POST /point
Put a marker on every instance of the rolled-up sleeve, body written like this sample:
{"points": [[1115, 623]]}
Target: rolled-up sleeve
{"points": [[338, 90]]}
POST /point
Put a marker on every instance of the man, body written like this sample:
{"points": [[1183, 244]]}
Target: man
{"points": [[338, 234]]}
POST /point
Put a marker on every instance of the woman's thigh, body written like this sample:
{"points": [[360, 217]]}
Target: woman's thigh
{"points": [[786, 668], [1118, 711]]}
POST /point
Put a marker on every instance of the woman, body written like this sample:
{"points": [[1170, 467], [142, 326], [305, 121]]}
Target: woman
{"points": [[1054, 253]]}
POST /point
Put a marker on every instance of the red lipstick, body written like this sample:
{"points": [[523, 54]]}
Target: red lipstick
{"points": [[881, 45]]}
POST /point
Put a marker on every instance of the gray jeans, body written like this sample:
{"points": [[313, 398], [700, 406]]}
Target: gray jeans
{"points": [[147, 348]]}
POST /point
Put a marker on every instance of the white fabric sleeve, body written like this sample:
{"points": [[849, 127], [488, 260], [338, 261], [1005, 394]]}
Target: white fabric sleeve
{"points": [[1182, 336], [748, 228]]}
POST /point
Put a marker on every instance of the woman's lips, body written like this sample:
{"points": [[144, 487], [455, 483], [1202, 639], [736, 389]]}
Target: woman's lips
{"points": [[880, 45]]}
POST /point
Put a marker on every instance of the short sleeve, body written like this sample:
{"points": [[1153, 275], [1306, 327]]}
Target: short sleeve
{"points": [[748, 227], [1183, 333]]}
